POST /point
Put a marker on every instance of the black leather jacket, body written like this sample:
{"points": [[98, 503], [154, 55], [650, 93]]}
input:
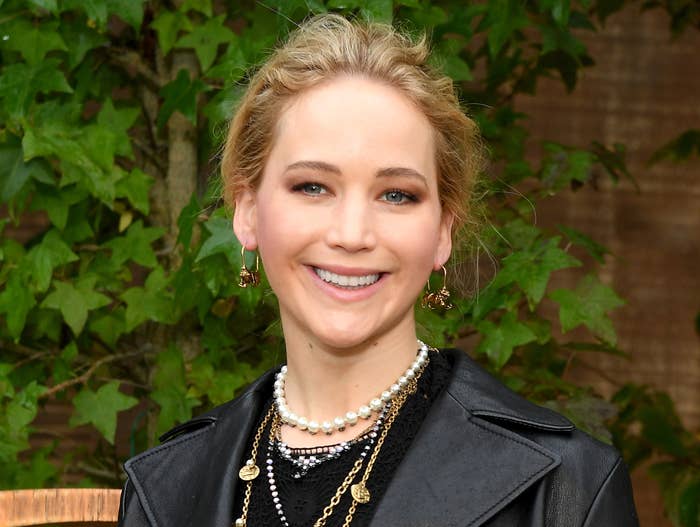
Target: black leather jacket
{"points": [[483, 457]]}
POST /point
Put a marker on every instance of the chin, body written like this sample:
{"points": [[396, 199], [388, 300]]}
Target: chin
{"points": [[343, 337]]}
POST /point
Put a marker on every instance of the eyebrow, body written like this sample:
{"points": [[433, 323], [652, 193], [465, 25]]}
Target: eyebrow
{"points": [[322, 166]]}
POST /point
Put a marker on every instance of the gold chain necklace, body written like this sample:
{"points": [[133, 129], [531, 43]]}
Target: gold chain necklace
{"points": [[358, 491]]}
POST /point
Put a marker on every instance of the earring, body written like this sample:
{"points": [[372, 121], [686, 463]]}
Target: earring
{"points": [[247, 277], [437, 299]]}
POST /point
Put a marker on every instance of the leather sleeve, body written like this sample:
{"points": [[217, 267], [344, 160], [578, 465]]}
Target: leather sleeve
{"points": [[613, 506], [131, 513]]}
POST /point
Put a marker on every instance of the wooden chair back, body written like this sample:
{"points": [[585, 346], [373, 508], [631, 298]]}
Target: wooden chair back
{"points": [[74, 507]]}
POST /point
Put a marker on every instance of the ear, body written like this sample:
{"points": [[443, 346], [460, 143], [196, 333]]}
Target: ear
{"points": [[444, 246], [245, 219]]}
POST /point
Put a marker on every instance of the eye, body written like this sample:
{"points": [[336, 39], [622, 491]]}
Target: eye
{"points": [[310, 189], [398, 197]]}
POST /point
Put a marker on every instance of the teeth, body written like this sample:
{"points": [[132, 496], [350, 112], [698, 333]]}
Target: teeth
{"points": [[346, 281]]}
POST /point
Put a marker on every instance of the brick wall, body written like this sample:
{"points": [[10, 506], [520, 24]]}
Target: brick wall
{"points": [[643, 91]]}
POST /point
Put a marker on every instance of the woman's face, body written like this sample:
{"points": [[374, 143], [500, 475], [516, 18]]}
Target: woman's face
{"points": [[347, 217]]}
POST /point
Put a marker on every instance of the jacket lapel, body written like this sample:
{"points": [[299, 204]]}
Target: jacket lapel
{"points": [[462, 469], [192, 479]]}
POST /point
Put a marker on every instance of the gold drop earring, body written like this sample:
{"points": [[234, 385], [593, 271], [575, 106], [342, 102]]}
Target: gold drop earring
{"points": [[437, 299], [248, 277]]}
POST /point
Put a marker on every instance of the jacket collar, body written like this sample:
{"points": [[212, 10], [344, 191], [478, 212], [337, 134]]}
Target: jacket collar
{"points": [[455, 464], [463, 467]]}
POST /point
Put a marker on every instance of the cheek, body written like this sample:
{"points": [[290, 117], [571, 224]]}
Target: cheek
{"points": [[416, 239], [281, 231]]}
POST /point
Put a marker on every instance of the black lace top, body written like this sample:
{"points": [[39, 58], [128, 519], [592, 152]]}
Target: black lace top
{"points": [[302, 494]]}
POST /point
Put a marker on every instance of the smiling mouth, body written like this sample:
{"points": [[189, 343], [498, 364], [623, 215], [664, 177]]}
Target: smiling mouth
{"points": [[345, 281]]}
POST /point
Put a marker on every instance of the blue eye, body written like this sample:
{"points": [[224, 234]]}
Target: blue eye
{"points": [[311, 189], [398, 197]]}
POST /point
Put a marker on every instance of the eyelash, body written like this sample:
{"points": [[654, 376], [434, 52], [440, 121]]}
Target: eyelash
{"points": [[410, 198], [303, 187], [407, 197]]}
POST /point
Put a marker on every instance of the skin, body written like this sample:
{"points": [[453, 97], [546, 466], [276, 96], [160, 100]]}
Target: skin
{"points": [[350, 186]]}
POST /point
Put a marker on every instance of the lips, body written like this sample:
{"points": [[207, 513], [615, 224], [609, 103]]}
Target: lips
{"points": [[349, 281]]}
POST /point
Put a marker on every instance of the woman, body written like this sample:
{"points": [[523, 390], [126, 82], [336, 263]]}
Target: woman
{"points": [[350, 165]]}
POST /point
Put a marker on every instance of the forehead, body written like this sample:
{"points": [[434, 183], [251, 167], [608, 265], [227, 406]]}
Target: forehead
{"points": [[352, 121]]}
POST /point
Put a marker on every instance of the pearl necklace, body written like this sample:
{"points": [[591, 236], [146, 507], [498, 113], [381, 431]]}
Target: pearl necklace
{"points": [[350, 418], [312, 457]]}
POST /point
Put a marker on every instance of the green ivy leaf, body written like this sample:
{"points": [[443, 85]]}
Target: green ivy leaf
{"points": [[427, 15], [52, 252], [345, 4], [151, 302], [37, 473], [86, 153], [23, 407], [130, 11], [661, 429], [595, 249], [679, 149], [118, 122], [220, 107], [49, 5], [74, 301], [201, 6], [110, 326], [168, 25], [588, 304], [19, 84], [500, 339], [531, 269], [689, 505], [136, 245], [82, 39], [57, 203], [559, 9], [180, 95], [222, 240], [100, 408], [170, 390], [33, 41], [561, 39], [217, 385], [504, 18], [16, 301], [187, 220], [135, 187], [378, 11], [78, 227], [14, 172], [232, 65], [457, 68], [96, 10], [520, 235], [205, 40], [562, 166]]}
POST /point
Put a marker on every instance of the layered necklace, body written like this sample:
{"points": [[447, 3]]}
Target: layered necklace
{"points": [[352, 417], [388, 410]]}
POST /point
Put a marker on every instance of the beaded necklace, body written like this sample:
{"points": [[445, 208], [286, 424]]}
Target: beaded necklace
{"points": [[359, 491]]}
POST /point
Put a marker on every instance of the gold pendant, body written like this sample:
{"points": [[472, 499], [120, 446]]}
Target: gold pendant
{"points": [[249, 472], [360, 493]]}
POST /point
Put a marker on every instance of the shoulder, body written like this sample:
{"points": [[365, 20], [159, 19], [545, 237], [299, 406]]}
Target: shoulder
{"points": [[488, 399], [591, 479], [198, 454]]}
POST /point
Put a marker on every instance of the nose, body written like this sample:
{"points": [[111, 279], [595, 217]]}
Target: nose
{"points": [[351, 226]]}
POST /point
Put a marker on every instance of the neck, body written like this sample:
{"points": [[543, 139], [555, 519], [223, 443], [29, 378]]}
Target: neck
{"points": [[325, 382]]}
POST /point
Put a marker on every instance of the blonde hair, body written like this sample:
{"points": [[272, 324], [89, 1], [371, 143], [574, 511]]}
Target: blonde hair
{"points": [[328, 46]]}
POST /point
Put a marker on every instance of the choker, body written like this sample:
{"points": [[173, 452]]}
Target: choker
{"points": [[350, 418]]}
